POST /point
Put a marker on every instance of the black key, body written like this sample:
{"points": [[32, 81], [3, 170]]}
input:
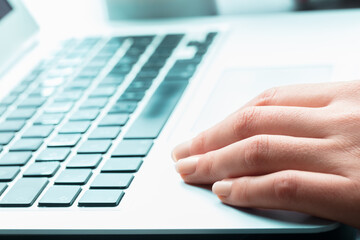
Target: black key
{"points": [[85, 161], [74, 177], [98, 103], [142, 40], [79, 85], [32, 102], [179, 74], [101, 198], [2, 110], [95, 146], [50, 119], [8, 100], [38, 131], [139, 86], [122, 165], [112, 80], [12, 125], [103, 92], [21, 113], [24, 192], [105, 133], [154, 116], [75, 127], [85, 114], [5, 138], [132, 96], [59, 107], [112, 181], [65, 140], [133, 148], [171, 40], [69, 95], [42, 169], [118, 119], [8, 174], [15, 158], [123, 107], [27, 144], [3, 187], [148, 74], [60, 196], [54, 154]]}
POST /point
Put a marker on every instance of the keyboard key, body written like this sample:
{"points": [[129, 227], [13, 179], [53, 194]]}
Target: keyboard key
{"points": [[15, 158], [54, 154], [95, 146], [124, 107], [133, 148], [60, 196], [83, 115], [5, 138], [8, 100], [50, 119], [118, 119], [103, 92], [122, 165], [32, 102], [101, 198], [98, 103], [65, 140], [132, 96], [140, 86], [22, 113], [105, 133], [38, 131], [3, 187], [42, 169], [27, 144], [75, 127], [69, 95], [24, 192], [12, 125], [59, 107], [112, 81], [8, 174], [171, 40], [112, 181], [154, 116], [74, 177], [2, 110], [85, 161]]}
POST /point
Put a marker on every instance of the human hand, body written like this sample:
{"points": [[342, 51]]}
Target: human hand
{"points": [[293, 148]]}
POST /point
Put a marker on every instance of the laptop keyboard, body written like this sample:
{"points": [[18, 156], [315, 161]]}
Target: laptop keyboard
{"points": [[70, 133]]}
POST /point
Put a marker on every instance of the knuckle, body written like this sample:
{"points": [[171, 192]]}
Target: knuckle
{"points": [[198, 144], [285, 186], [244, 121], [268, 97], [241, 192], [256, 151], [208, 164]]}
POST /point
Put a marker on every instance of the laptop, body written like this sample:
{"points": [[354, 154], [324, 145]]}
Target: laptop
{"points": [[87, 128]]}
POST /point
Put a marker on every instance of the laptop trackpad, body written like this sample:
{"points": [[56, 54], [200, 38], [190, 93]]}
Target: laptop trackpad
{"points": [[238, 86]]}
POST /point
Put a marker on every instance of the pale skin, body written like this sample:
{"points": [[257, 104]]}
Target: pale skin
{"points": [[293, 148]]}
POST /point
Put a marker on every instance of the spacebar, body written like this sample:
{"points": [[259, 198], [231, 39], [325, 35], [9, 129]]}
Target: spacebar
{"points": [[159, 108]]}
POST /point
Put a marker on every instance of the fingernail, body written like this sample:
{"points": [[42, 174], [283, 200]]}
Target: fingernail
{"points": [[181, 151], [222, 188], [187, 165]]}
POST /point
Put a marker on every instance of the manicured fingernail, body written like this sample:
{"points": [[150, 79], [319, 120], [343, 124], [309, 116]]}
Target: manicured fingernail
{"points": [[187, 165], [181, 151], [222, 188]]}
